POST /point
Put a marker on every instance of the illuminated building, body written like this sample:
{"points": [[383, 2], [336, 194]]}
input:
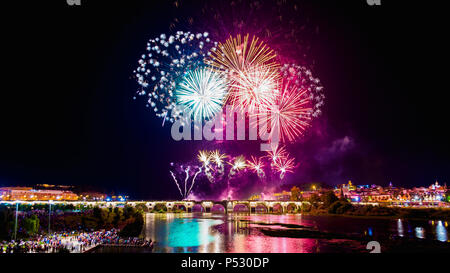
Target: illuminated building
{"points": [[92, 196], [120, 198], [255, 197], [282, 196], [30, 194], [350, 186]]}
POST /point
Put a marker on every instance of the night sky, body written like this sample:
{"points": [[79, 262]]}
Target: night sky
{"points": [[68, 114]]}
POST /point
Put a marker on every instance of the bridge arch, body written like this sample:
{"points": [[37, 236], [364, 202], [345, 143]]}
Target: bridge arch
{"points": [[241, 207], [261, 208], [180, 206], [291, 208], [277, 208], [218, 208], [160, 207], [198, 208]]}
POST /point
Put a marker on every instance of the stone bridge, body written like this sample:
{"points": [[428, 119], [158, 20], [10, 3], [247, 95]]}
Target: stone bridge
{"points": [[192, 206], [225, 206]]}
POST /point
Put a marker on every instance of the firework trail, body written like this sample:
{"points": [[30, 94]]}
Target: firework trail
{"points": [[279, 163], [176, 182], [193, 181], [237, 165], [187, 173], [186, 180]]}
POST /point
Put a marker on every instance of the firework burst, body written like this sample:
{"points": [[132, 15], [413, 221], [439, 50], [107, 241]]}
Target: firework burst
{"points": [[290, 114], [238, 163], [254, 88], [239, 53], [285, 165], [167, 59], [203, 157], [277, 153], [302, 78], [218, 157], [256, 165]]}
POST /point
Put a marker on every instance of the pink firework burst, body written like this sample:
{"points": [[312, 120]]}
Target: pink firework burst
{"points": [[291, 113], [277, 153], [285, 165], [255, 164]]}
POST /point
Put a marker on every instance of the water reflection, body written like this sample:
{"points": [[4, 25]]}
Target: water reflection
{"points": [[400, 228], [209, 233], [441, 232], [420, 232]]}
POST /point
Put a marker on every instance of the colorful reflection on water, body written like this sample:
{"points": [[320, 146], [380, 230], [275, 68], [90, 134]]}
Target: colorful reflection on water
{"points": [[231, 233]]}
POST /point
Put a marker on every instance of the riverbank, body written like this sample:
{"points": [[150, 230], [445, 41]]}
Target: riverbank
{"points": [[73, 243], [442, 214], [352, 243]]}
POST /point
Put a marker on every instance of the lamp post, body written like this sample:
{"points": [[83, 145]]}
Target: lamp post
{"points": [[49, 214], [15, 223]]}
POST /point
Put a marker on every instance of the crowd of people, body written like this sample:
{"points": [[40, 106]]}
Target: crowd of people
{"points": [[71, 242]]}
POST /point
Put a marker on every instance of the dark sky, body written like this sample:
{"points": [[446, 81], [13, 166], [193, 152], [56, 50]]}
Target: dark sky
{"points": [[68, 117]]}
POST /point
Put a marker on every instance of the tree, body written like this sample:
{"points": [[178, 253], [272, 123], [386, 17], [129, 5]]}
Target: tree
{"points": [[134, 226], [128, 211], [118, 216], [6, 223], [339, 207], [296, 195], [306, 207], [314, 198], [447, 196], [328, 198], [101, 216], [160, 207], [142, 207]]}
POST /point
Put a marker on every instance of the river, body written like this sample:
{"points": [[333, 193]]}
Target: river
{"points": [[242, 233]]}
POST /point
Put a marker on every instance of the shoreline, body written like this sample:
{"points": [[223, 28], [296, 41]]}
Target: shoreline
{"points": [[381, 217], [385, 217]]}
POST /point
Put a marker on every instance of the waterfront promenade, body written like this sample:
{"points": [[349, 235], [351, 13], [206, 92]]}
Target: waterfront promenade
{"points": [[69, 242]]}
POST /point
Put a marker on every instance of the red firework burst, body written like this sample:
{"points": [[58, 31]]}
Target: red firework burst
{"points": [[291, 113], [254, 88]]}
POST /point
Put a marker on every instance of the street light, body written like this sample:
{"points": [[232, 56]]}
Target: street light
{"points": [[49, 213], [15, 223]]}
